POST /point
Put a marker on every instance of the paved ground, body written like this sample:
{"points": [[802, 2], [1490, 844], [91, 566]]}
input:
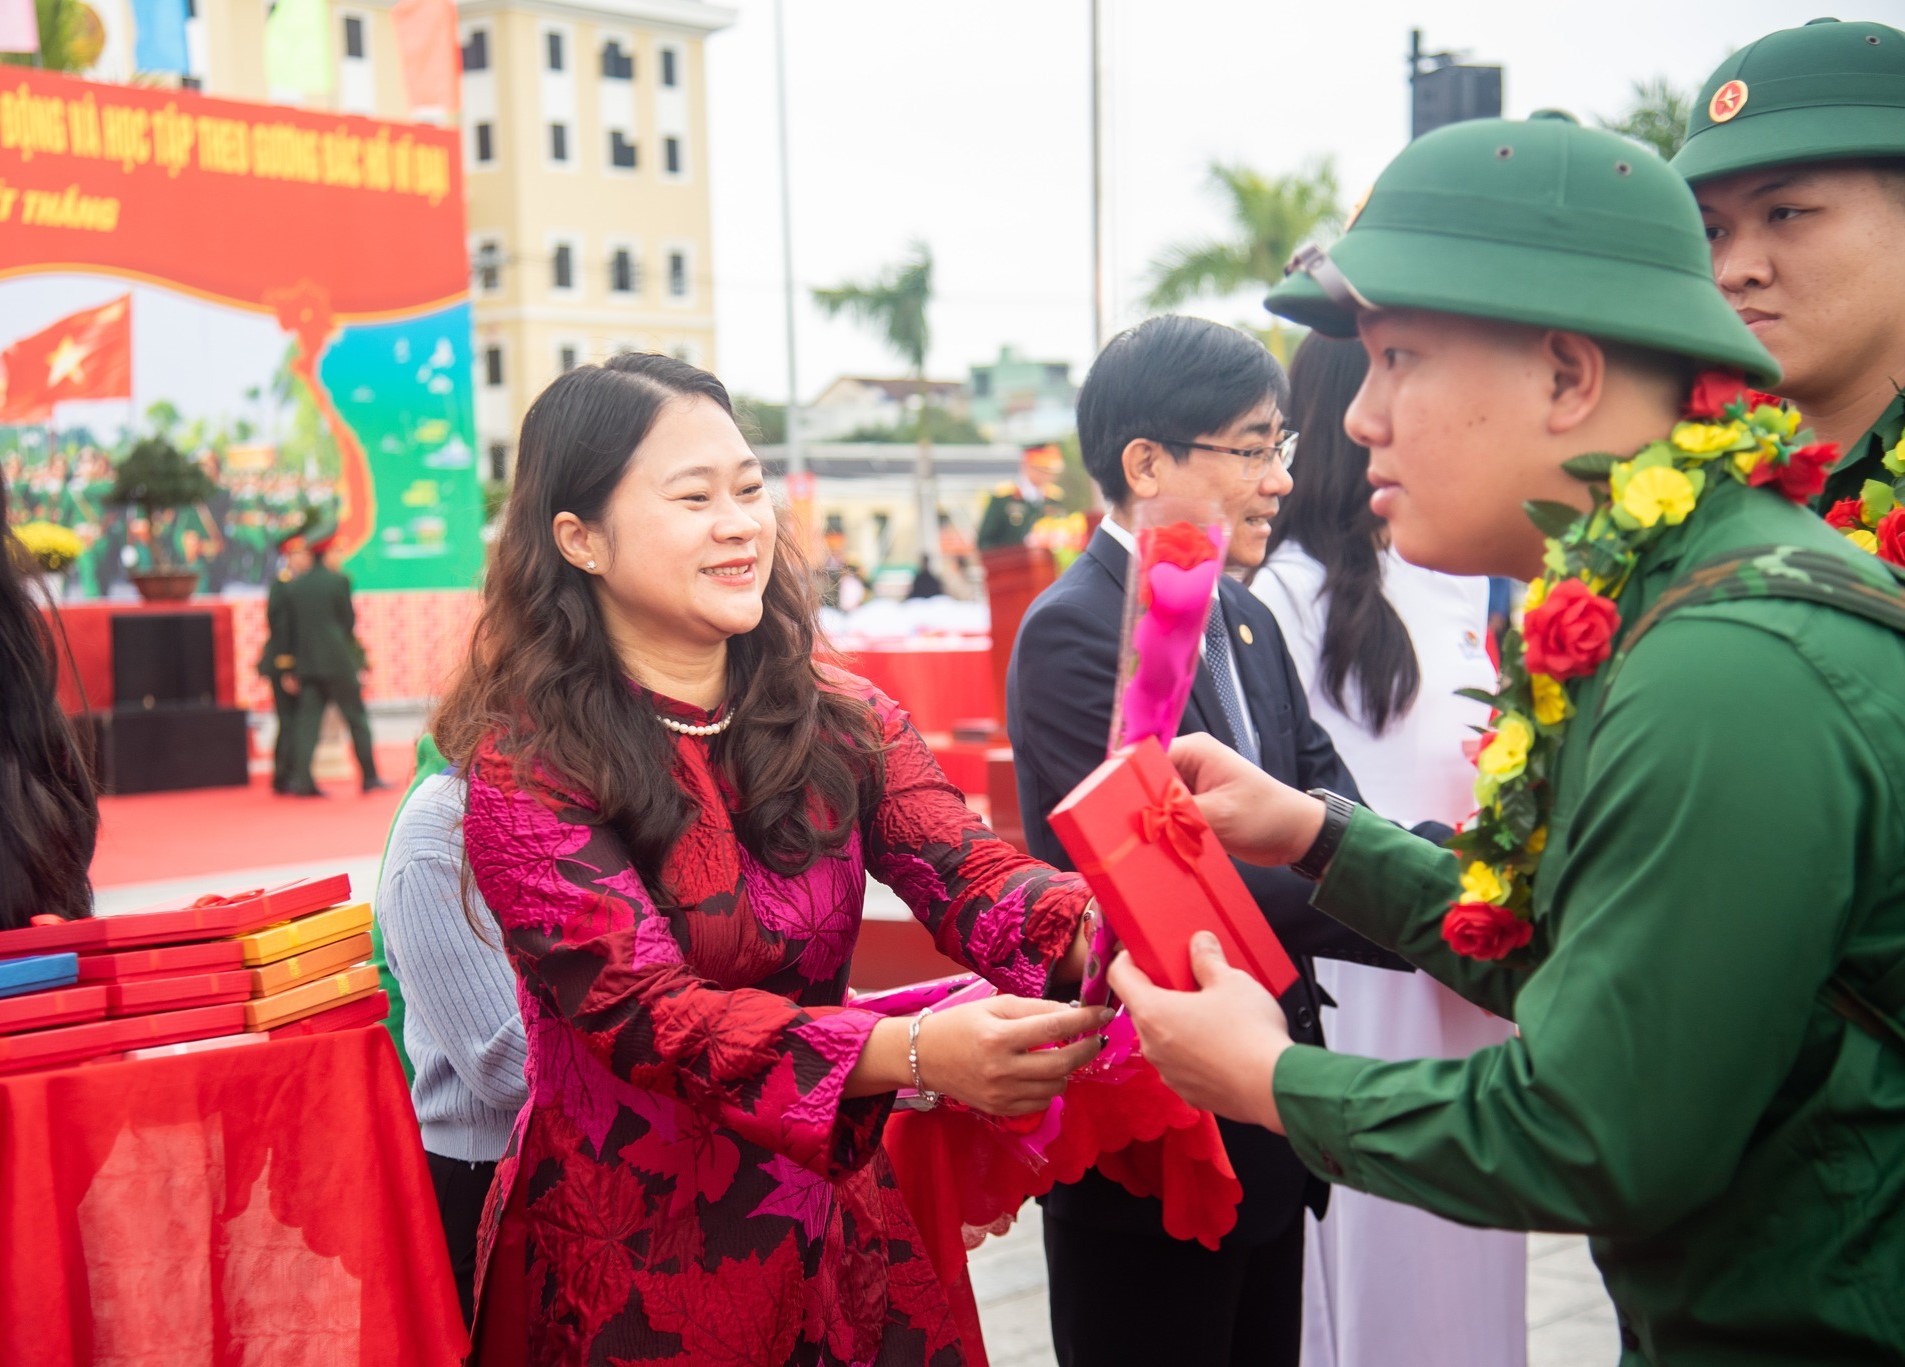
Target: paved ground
{"points": [[1570, 1323]]}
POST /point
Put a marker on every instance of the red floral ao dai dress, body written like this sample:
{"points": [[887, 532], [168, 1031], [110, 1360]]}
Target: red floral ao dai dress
{"points": [[687, 1183]]}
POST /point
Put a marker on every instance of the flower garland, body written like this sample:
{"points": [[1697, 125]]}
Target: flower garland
{"points": [[1875, 520], [52, 546], [1570, 621]]}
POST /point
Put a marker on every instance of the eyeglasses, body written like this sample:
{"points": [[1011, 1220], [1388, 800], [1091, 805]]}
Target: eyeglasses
{"points": [[1256, 459]]}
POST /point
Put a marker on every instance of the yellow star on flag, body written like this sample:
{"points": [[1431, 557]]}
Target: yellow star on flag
{"points": [[67, 361]]}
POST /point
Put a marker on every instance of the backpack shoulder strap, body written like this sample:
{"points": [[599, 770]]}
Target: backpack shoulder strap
{"points": [[1877, 1007]]}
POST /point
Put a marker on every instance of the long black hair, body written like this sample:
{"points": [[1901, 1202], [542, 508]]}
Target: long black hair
{"points": [[49, 812], [1327, 514], [543, 680]]}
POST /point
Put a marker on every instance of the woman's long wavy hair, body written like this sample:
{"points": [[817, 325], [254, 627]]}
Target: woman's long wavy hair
{"points": [[1327, 514], [49, 812], [544, 681]]}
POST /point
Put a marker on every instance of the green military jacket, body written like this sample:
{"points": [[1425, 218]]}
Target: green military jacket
{"points": [[1864, 460], [321, 631], [1728, 830], [275, 658]]}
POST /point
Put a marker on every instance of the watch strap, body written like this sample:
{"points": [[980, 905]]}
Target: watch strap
{"points": [[1337, 810]]}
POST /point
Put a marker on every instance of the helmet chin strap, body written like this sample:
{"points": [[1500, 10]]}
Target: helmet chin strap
{"points": [[1314, 262]]}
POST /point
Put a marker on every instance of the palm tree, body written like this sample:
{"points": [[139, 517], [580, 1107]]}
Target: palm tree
{"points": [[895, 307], [1270, 217], [1656, 118]]}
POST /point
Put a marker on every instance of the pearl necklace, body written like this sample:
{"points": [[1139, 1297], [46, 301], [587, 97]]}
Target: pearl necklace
{"points": [[713, 728]]}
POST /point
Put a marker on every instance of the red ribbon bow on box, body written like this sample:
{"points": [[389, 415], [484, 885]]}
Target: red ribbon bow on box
{"points": [[1175, 820]]}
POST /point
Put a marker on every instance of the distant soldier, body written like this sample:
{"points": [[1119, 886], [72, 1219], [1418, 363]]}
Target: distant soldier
{"points": [[324, 660], [275, 663], [1013, 508]]}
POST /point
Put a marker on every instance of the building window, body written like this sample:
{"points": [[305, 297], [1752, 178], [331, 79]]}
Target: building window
{"points": [[617, 65], [476, 51], [622, 271], [671, 155], [486, 262], [559, 142], [552, 51], [565, 359], [562, 266], [621, 150], [677, 275], [353, 36], [493, 366], [499, 461], [485, 144], [668, 73]]}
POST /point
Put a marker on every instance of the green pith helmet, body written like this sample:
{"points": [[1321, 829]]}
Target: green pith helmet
{"points": [[1825, 92], [1542, 222]]}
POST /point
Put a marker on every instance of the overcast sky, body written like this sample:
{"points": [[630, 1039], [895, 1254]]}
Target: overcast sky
{"points": [[967, 125]]}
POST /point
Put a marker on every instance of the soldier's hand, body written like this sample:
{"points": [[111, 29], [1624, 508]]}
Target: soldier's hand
{"points": [[289, 683], [1257, 819]]}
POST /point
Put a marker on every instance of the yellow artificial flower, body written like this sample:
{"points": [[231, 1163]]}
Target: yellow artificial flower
{"points": [[1706, 438], [1483, 884], [1506, 755], [1537, 595], [1864, 540], [1551, 700], [1658, 493], [1537, 840]]}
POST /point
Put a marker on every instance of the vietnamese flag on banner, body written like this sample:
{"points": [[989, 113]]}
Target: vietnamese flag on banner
{"points": [[85, 355]]}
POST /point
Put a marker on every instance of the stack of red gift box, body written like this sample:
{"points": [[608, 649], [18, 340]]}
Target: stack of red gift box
{"points": [[224, 970]]}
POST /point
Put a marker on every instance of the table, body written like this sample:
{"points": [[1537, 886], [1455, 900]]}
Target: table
{"points": [[268, 1204], [941, 681]]}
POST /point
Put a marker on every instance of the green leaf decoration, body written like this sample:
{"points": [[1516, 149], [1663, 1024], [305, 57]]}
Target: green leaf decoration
{"points": [[1876, 499], [1593, 466], [1552, 519], [1481, 695]]}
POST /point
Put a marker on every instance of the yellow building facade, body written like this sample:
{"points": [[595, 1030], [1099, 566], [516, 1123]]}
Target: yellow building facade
{"points": [[585, 141]]}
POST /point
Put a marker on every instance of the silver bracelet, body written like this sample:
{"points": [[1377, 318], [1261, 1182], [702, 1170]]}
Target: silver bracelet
{"points": [[927, 1095]]}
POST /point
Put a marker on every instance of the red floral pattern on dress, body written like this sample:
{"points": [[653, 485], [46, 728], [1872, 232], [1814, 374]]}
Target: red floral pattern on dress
{"points": [[690, 1184]]}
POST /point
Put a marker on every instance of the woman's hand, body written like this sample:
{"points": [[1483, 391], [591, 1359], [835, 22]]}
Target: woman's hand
{"points": [[1257, 819], [990, 1054], [1217, 1047]]}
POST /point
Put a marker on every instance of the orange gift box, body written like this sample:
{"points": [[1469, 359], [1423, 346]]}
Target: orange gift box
{"points": [[1160, 874]]}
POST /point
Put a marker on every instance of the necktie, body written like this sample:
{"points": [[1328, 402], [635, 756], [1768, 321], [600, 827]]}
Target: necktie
{"points": [[1217, 661]]}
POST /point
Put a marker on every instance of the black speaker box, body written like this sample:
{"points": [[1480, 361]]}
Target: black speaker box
{"points": [[162, 657], [162, 749]]}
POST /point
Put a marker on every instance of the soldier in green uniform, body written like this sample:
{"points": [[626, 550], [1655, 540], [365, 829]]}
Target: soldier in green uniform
{"points": [[276, 660], [1013, 508], [324, 660], [1796, 152], [1685, 881]]}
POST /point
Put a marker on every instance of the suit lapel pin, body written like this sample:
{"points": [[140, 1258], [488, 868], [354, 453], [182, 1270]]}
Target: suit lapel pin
{"points": [[1243, 630]]}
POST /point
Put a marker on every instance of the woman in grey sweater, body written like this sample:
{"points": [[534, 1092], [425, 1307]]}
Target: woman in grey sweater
{"points": [[461, 1027]]}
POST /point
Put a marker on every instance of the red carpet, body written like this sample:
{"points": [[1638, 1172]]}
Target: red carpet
{"points": [[156, 836]]}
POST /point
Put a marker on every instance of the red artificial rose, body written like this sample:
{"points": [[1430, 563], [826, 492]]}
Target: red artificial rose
{"points": [[1712, 392], [1184, 544], [1478, 930], [1759, 398], [1891, 535], [1570, 633], [1847, 515], [1803, 476]]}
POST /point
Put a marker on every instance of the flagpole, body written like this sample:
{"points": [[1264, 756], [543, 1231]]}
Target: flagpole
{"points": [[796, 458]]}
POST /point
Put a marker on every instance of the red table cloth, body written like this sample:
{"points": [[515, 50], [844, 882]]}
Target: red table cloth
{"points": [[237, 1206]]}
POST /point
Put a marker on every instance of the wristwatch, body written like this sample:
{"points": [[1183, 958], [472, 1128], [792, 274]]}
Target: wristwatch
{"points": [[1337, 811]]}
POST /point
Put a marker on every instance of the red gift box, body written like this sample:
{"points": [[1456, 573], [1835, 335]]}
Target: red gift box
{"points": [[205, 919], [1134, 831]]}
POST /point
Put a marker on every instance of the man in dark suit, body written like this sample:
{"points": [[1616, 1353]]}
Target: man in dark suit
{"points": [[274, 664], [1180, 407], [326, 659]]}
